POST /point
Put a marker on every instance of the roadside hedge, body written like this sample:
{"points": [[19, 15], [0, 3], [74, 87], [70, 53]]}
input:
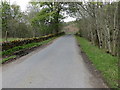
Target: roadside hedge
{"points": [[11, 44]]}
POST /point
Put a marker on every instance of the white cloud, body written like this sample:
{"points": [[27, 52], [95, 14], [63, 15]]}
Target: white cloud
{"points": [[22, 3], [69, 19]]}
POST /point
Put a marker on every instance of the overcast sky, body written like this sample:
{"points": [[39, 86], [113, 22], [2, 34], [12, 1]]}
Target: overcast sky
{"points": [[23, 4]]}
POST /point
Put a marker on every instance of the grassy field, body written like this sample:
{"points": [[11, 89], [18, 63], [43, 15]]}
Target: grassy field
{"points": [[106, 63], [9, 39]]}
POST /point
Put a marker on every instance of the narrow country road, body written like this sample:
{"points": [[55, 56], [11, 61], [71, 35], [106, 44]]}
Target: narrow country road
{"points": [[59, 65]]}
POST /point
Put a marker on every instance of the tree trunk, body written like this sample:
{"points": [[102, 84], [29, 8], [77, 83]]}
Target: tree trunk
{"points": [[6, 36]]}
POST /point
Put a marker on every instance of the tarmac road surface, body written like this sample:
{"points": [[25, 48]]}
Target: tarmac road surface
{"points": [[59, 65]]}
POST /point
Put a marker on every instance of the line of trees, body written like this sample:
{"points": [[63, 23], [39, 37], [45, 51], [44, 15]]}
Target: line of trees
{"points": [[39, 19], [98, 22], [14, 21]]}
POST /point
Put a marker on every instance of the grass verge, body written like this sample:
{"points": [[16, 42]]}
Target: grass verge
{"points": [[17, 48], [6, 59], [105, 63], [10, 52]]}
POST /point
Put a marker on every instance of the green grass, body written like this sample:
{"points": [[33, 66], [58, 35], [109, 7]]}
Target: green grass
{"points": [[8, 58], [27, 46], [105, 63], [17, 48]]}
